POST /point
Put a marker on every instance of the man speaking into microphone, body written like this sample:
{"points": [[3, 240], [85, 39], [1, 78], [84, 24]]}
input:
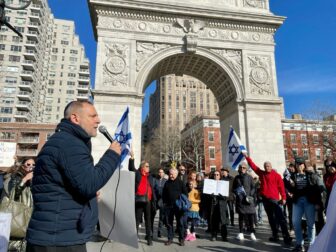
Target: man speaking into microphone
{"points": [[66, 181]]}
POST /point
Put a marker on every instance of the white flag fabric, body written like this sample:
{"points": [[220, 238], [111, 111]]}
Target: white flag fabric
{"points": [[234, 155], [116, 204], [124, 137]]}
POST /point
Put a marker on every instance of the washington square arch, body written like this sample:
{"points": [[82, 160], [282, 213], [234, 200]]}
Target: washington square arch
{"points": [[227, 44]]}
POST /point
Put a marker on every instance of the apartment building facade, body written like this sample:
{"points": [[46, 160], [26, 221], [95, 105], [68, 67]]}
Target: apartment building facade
{"points": [[176, 100], [313, 140], [44, 70], [29, 137]]}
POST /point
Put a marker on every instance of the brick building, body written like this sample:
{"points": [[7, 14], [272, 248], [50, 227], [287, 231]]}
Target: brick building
{"points": [[29, 137], [312, 139], [201, 144]]}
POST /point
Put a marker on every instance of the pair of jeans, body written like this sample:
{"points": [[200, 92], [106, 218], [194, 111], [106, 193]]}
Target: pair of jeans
{"points": [[300, 207], [259, 211], [276, 217], [170, 213]]}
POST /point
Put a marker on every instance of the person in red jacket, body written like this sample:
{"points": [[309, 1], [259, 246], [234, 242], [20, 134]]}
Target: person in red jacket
{"points": [[273, 195]]}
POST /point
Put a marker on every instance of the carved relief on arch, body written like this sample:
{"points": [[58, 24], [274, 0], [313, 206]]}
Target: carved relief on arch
{"points": [[145, 50], [116, 66], [233, 58], [260, 77], [260, 4]]}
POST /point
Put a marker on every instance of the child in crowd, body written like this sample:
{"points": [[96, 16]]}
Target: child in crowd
{"points": [[193, 213]]}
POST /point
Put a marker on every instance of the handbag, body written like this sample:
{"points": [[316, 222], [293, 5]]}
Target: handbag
{"points": [[21, 212], [249, 199], [142, 198]]}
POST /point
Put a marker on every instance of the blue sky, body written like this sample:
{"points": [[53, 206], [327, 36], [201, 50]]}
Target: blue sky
{"points": [[305, 49]]}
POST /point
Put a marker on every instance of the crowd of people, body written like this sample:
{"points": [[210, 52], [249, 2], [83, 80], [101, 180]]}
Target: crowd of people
{"points": [[294, 203], [65, 215]]}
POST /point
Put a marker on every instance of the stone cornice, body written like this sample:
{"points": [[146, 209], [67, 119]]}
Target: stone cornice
{"points": [[219, 19], [120, 93]]}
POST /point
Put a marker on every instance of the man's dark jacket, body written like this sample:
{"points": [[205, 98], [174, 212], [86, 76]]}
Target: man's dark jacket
{"points": [[64, 188]]}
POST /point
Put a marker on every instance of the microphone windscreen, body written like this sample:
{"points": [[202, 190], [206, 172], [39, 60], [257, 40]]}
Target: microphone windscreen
{"points": [[102, 129]]}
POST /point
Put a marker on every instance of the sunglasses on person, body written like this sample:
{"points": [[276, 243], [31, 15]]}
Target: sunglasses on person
{"points": [[29, 164], [217, 174]]}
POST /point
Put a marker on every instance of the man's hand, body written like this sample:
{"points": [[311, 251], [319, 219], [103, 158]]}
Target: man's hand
{"points": [[115, 146], [244, 152], [283, 202]]}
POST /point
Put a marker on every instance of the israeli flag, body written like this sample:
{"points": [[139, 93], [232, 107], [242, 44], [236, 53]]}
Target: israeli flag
{"points": [[124, 136], [234, 155]]}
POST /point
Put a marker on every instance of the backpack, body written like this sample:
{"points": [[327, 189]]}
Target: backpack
{"points": [[183, 203]]}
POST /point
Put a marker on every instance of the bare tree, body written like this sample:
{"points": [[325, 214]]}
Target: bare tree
{"points": [[193, 149]]}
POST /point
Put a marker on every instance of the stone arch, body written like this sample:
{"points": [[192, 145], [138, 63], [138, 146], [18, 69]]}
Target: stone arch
{"points": [[205, 65]]}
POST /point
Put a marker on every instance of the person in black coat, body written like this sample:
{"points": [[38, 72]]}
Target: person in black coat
{"points": [[218, 208], [158, 188], [144, 186], [172, 190], [66, 181], [244, 188]]}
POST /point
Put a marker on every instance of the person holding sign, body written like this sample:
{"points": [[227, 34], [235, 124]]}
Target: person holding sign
{"points": [[218, 219], [244, 189]]}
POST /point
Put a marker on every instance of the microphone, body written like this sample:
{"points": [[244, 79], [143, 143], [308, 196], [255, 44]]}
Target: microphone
{"points": [[102, 129]]}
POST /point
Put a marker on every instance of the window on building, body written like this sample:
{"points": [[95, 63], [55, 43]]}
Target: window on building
{"points": [[2, 57], [10, 80], [51, 82], [295, 152], [211, 136], [70, 91], [210, 123], [71, 83], [213, 168], [286, 155], [192, 100], [71, 75], [305, 153], [6, 110], [315, 139], [3, 37], [2, 47], [14, 58], [19, 29], [304, 138], [48, 108], [212, 152], [9, 90], [50, 90], [15, 48], [5, 119], [73, 59], [7, 135], [64, 42], [16, 39], [318, 154], [55, 50], [293, 138], [73, 52]]}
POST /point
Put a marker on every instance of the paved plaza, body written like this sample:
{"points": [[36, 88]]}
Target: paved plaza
{"points": [[263, 232]]}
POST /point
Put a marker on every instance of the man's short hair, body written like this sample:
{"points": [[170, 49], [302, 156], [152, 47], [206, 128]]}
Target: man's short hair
{"points": [[73, 106]]}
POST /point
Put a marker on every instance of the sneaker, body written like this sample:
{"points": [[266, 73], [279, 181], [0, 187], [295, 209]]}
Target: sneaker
{"points": [[192, 237], [188, 237], [253, 238], [240, 236], [299, 248]]}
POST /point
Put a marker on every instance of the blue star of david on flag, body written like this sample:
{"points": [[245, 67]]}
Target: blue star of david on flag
{"points": [[234, 155], [124, 137]]}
